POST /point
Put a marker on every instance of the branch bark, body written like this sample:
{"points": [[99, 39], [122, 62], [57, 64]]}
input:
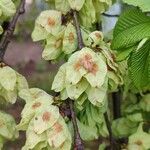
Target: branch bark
{"points": [[77, 139], [108, 124], [78, 30], [10, 30], [116, 105]]}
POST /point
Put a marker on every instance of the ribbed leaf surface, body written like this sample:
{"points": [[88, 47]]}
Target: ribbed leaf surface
{"points": [[140, 66], [132, 27]]}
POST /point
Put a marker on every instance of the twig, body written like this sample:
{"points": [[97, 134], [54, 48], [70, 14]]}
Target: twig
{"points": [[9, 32], [78, 142], [110, 15], [78, 30], [108, 124], [116, 105]]}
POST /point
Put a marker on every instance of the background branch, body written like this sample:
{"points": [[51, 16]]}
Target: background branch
{"points": [[10, 30], [108, 124]]}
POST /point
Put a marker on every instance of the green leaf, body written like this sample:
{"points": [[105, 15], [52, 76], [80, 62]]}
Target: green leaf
{"points": [[53, 47], [74, 91], [95, 38], [45, 119], [7, 7], [144, 103], [70, 42], [97, 95], [39, 33], [143, 4], [87, 14], [123, 127], [86, 63], [76, 4], [21, 82], [140, 137], [58, 134], [132, 27], [36, 100], [139, 66], [59, 80], [124, 53], [50, 20], [7, 126], [88, 133], [8, 78], [9, 96], [62, 5], [32, 138]]}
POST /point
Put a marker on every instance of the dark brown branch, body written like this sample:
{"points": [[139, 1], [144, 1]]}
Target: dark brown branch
{"points": [[110, 15], [9, 32], [78, 145], [78, 30], [116, 105], [108, 124]]}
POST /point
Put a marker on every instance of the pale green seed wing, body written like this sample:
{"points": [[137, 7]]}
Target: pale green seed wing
{"points": [[8, 78]]}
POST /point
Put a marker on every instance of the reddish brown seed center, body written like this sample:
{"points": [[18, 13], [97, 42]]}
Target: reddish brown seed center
{"points": [[46, 116], [51, 21], [98, 35], [87, 63], [58, 127], [139, 142], [71, 37], [36, 105]]}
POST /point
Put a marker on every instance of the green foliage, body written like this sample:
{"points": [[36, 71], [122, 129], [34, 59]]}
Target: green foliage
{"points": [[11, 83], [123, 127], [91, 121], [76, 4], [144, 103], [7, 9], [89, 14], [140, 66], [8, 129], [140, 139], [144, 5], [130, 35], [131, 28]]}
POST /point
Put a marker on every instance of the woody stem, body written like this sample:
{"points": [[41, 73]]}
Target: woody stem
{"points": [[77, 139], [78, 30], [10, 30]]}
